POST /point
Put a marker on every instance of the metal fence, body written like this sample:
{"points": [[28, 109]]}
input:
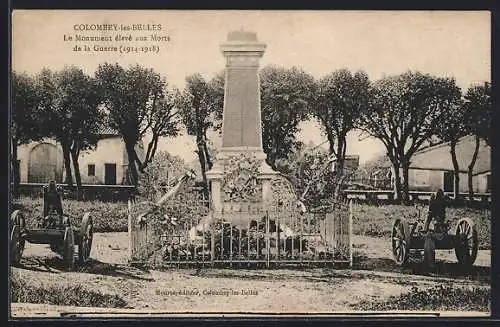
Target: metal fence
{"points": [[374, 182], [387, 197], [247, 234]]}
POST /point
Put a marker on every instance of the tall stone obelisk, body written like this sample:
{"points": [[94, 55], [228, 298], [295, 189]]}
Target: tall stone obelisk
{"points": [[242, 125], [241, 129]]}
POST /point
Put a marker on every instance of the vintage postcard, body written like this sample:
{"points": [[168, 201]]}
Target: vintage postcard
{"points": [[187, 163]]}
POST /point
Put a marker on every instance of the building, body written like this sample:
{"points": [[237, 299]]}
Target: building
{"points": [[107, 164], [432, 168]]}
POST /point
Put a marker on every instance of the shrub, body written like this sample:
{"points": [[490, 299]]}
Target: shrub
{"points": [[377, 220], [71, 295], [162, 171], [113, 216], [107, 216], [177, 215], [439, 298], [310, 165]]}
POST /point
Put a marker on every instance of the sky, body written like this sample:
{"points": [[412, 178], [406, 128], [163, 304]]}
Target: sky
{"points": [[442, 43]]}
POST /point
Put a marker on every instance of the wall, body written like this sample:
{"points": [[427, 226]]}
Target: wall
{"points": [[481, 182], [109, 150], [476, 184], [139, 149], [431, 180], [425, 180], [23, 158], [25, 151]]}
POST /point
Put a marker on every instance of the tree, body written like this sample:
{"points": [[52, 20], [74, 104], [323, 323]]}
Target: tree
{"points": [[163, 171], [55, 115], [137, 103], [451, 130], [375, 172], [341, 98], [77, 107], [286, 100], [25, 117], [200, 105], [308, 169], [162, 122], [403, 113], [478, 113], [70, 107]]}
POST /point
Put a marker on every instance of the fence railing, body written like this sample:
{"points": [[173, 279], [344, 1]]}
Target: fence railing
{"points": [[379, 183], [247, 234], [387, 196]]}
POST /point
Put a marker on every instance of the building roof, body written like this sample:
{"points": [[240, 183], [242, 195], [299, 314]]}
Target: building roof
{"points": [[438, 157]]}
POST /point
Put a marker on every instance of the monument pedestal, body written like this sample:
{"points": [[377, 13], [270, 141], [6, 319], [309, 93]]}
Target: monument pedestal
{"points": [[257, 169], [240, 173]]}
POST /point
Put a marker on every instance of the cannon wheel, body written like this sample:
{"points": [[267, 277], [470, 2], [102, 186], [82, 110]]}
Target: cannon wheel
{"points": [[16, 240], [400, 241], [86, 236], [69, 248], [467, 242]]}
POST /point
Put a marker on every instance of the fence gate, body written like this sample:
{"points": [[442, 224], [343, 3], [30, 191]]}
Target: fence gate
{"points": [[247, 234]]}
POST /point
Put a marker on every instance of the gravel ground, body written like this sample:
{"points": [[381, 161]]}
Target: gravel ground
{"points": [[288, 291]]}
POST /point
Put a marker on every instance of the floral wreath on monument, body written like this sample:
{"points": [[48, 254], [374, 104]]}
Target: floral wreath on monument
{"points": [[240, 181]]}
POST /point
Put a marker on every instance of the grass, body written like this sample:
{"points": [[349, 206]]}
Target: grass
{"points": [[107, 216], [368, 220], [68, 295], [438, 298], [377, 220]]}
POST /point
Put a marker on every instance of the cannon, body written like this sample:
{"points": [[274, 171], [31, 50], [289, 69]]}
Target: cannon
{"points": [[54, 229], [412, 236]]}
